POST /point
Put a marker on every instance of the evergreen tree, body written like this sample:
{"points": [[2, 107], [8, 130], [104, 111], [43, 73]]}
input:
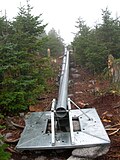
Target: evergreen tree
{"points": [[93, 45], [27, 30], [23, 73], [55, 42]]}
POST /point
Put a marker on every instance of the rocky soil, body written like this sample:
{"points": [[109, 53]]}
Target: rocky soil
{"points": [[86, 91]]}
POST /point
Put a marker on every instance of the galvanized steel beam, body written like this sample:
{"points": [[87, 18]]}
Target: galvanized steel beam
{"points": [[61, 107]]}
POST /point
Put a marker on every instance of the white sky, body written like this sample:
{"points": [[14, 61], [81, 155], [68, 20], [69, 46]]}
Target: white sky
{"points": [[63, 14]]}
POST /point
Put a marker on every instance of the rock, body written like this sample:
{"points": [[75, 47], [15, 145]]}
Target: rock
{"points": [[77, 158], [24, 158], [76, 83], [41, 158], [21, 114], [8, 135], [71, 81], [27, 115], [90, 86], [70, 95], [91, 152], [79, 92], [92, 82], [75, 75], [82, 104], [76, 71], [73, 69]]}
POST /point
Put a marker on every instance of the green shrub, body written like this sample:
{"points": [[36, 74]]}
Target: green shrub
{"points": [[3, 154]]}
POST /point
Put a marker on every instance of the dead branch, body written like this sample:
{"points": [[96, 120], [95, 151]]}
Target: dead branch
{"points": [[11, 150], [116, 106], [111, 129], [110, 134], [105, 113], [109, 126], [17, 125], [11, 140], [118, 124]]}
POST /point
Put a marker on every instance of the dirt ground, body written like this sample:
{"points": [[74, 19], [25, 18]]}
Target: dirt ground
{"points": [[86, 91]]}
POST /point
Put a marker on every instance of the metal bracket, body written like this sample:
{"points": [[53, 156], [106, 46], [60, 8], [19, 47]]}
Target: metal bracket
{"points": [[36, 137]]}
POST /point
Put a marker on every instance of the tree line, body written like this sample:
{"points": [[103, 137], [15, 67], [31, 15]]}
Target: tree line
{"points": [[92, 45]]}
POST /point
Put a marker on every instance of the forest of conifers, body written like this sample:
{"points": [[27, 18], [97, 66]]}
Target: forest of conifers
{"points": [[93, 45], [25, 66]]}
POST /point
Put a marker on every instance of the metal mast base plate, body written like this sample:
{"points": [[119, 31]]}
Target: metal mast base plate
{"points": [[91, 132]]}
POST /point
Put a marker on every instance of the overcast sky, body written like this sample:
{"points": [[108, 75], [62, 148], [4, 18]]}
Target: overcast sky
{"points": [[63, 14]]}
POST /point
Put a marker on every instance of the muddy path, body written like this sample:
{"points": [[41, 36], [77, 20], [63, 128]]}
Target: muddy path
{"points": [[86, 91]]}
